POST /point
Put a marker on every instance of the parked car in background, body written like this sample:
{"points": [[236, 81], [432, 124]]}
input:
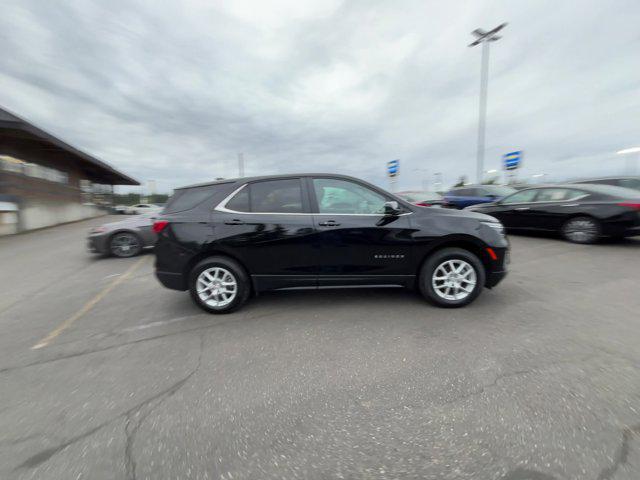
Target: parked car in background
{"points": [[422, 198], [143, 208], [462, 197], [625, 182], [224, 240], [580, 213], [125, 238], [120, 209]]}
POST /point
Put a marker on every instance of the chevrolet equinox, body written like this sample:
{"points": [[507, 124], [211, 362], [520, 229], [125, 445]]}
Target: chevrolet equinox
{"points": [[226, 240]]}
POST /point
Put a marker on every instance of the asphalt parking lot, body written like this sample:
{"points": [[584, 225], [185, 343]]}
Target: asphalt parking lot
{"points": [[105, 374]]}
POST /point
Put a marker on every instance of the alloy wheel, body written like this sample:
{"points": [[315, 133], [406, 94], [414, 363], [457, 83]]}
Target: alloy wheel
{"points": [[454, 279], [216, 287]]}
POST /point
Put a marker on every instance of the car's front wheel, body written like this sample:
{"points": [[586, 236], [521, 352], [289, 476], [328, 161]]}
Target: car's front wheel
{"points": [[452, 277], [219, 285]]}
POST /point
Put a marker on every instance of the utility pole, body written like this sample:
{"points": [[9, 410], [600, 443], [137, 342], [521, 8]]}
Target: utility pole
{"points": [[241, 165], [483, 38]]}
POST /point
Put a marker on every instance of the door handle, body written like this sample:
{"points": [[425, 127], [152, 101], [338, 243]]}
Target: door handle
{"points": [[235, 221], [329, 223], [522, 208]]}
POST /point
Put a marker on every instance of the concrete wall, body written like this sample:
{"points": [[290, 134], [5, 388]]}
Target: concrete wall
{"points": [[8, 222], [46, 215]]}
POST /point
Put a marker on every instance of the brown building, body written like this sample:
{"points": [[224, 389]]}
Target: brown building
{"points": [[44, 181]]}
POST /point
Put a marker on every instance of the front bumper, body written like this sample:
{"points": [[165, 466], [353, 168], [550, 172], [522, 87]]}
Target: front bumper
{"points": [[494, 278], [97, 244], [497, 269]]}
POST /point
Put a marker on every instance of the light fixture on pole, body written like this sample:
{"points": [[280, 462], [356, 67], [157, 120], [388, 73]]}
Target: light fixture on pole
{"points": [[483, 38], [631, 170]]}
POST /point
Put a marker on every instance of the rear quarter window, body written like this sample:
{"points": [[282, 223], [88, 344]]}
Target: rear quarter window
{"points": [[187, 198]]}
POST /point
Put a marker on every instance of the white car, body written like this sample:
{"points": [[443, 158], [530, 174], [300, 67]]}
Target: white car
{"points": [[120, 209], [142, 208]]}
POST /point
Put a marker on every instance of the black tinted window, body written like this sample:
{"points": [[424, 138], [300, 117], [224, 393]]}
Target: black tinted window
{"points": [[630, 183], [187, 198], [277, 196], [240, 201]]}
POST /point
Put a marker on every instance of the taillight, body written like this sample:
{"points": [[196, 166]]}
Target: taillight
{"points": [[424, 204], [634, 205], [159, 225]]}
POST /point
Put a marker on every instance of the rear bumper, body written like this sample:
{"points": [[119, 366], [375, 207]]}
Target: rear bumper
{"points": [[174, 281]]}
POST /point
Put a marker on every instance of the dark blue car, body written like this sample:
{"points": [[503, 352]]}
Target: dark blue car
{"points": [[461, 197]]}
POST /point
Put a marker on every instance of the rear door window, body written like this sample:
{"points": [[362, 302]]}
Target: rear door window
{"points": [[276, 196], [553, 195], [240, 201], [187, 198]]}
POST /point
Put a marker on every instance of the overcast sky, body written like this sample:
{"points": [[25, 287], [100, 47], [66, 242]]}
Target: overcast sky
{"points": [[172, 91]]}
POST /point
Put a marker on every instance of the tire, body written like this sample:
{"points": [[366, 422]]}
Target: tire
{"points": [[219, 273], [464, 287], [125, 245], [584, 230]]}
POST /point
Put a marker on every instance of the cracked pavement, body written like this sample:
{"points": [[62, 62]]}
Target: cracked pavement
{"points": [[537, 380]]}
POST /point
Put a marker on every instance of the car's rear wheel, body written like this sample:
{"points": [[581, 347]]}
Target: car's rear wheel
{"points": [[581, 230], [452, 277], [219, 285], [125, 244]]}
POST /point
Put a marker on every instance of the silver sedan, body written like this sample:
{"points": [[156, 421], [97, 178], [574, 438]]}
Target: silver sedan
{"points": [[125, 238]]}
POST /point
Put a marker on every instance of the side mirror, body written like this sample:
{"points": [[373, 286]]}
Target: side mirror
{"points": [[391, 208]]}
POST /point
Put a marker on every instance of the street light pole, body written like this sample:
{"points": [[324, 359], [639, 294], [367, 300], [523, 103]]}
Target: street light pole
{"points": [[483, 38], [482, 110]]}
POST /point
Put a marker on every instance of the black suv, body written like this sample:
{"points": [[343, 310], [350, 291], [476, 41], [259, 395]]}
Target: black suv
{"points": [[224, 240]]}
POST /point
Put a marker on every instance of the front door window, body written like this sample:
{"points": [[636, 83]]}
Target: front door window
{"points": [[336, 196]]}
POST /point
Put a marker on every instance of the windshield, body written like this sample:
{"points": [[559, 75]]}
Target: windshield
{"points": [[499, 190]]}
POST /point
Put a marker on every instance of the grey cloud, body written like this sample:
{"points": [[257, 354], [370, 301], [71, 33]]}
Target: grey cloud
{"points": [[172, 93]]}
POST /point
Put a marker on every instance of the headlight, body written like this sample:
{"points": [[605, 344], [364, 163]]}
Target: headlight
{"points": [[496, 226]]}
